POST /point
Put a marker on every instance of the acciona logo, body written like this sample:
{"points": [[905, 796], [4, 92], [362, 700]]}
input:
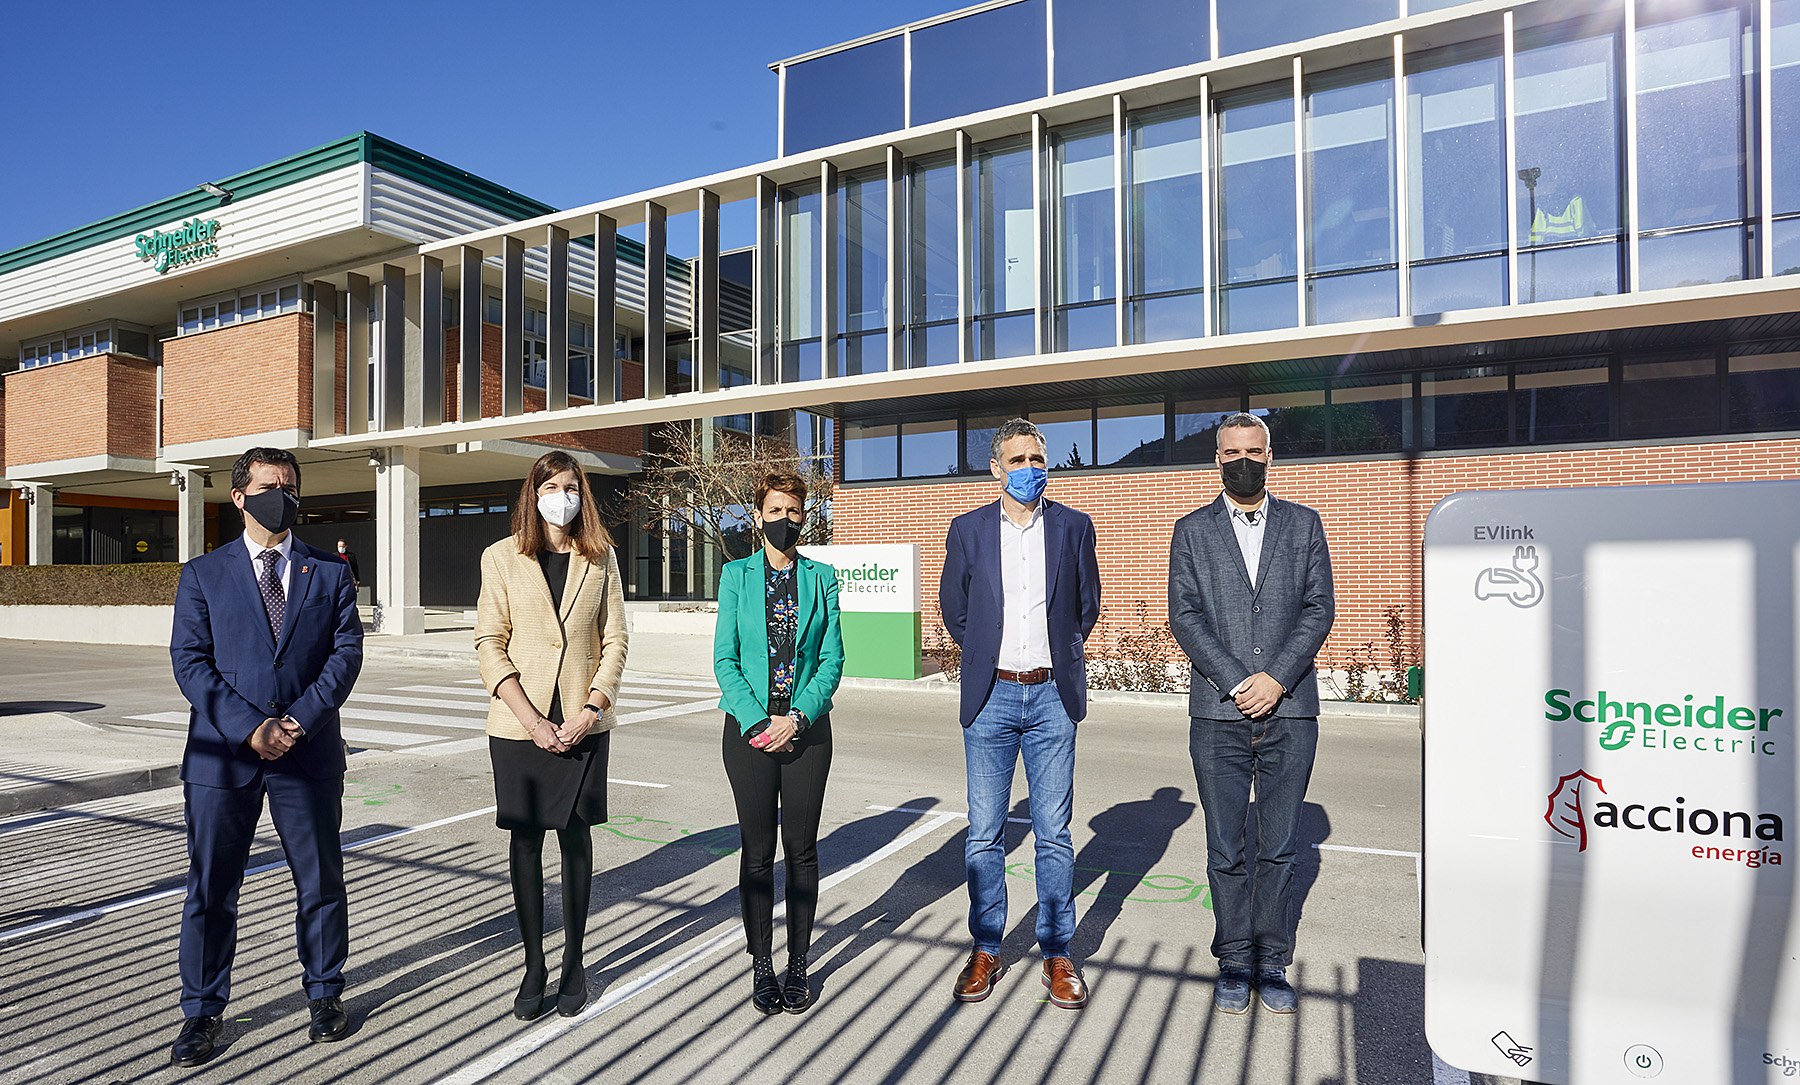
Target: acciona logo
{"points": [[1575, 809]]}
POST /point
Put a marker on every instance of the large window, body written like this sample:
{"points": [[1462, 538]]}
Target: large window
{"points": [[1257, 24], [1690, 126], [1167, 225], [1554, 402], [1763, 392], [1673, 397], [250, 303], [109, 337], [1352, 271], [862, 272], [1784, 87], [1258, 253], [800, 282], [1296, 419], [992, 58], [1003, 253], [1567, 187], [871, 451], [1464, 408], [1098, 41], [928, 446], [931, 261], [1086, 277], [1456, 168], [1371, 414], [1131, 433], [845, 95]]}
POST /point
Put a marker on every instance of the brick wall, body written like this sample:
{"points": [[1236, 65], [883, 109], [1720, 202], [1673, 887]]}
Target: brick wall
{"points": [[87, 407], [1374, 515], [238, 380]]}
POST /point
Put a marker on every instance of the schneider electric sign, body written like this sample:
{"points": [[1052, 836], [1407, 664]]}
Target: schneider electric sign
{"points": [[1610, 783], [192, 240], [878, 601]]}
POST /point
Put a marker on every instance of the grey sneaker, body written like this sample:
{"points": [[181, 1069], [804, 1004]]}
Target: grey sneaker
{"points": [[1232, 992], [1273, 988]]}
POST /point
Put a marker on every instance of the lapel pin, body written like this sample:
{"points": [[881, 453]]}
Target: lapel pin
{"points": [[306, 568]]}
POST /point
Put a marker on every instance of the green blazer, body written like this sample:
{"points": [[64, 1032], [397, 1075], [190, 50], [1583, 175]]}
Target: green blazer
{"points": [[741, 641]]}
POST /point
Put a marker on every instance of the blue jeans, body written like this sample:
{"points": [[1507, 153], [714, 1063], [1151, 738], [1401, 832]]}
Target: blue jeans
{"points": [[1032, 721], [1252, 917]]}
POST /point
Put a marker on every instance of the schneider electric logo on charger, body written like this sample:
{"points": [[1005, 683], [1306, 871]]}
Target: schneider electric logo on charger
{"points": [[1573, 813], [1668, 725], [870, 579]]}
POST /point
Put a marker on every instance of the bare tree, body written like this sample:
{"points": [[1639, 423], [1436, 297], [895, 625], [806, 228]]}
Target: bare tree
{"points": [[709, 492]]}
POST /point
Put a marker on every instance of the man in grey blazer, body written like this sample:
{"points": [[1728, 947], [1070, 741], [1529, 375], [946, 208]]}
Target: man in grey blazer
{"points": [[1250, 600]]}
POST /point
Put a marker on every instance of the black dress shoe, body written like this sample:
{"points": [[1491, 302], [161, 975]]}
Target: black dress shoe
{"points": [[796, 991], [765, 989], [329, 1021], [569, 1003], [198, 1040], [533, 1001]]}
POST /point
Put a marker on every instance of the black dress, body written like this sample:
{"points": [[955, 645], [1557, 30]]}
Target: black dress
{"points": [[535, 788]]}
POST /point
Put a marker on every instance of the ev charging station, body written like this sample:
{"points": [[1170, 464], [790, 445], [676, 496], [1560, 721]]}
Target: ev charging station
{"points": [[1610, 765]]}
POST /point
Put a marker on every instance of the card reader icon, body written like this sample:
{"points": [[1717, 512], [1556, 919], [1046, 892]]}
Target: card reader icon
{"points": [[1512, 1048]]}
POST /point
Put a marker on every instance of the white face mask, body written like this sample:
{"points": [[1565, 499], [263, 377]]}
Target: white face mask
{"points": [[559, 508]]}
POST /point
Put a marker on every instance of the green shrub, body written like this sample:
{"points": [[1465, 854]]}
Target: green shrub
{"points": [[143, 584]]}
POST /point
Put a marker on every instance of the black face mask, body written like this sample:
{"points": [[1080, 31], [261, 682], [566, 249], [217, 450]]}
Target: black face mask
{"points": [[1244, 477], [782, 533], [275, 510]]}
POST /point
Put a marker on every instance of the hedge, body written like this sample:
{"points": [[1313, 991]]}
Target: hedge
{"points": [[143, 584]]}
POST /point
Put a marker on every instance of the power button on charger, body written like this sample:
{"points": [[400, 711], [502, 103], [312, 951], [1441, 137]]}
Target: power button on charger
{"points": [[1643, 1060]]}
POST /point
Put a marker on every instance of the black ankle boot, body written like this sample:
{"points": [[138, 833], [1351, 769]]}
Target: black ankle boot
{"points": [[532, 1002], [796, 992], [765, 989]]}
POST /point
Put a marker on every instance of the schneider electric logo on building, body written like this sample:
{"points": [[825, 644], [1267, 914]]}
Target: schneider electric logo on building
{"points": [[192, 240]]}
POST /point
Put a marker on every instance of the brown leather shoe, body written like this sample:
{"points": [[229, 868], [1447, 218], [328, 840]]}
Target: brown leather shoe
{"points": [[977, 979], [1067, 989]]}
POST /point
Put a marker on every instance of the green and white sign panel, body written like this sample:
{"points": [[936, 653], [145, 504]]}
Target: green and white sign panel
{"points": [[1610, 764], [878, 598]]}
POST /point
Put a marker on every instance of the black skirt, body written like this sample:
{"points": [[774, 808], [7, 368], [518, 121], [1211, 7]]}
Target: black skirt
{"points": [[537, 789]]}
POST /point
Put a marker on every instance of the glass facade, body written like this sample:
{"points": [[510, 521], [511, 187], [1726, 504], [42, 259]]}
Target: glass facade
{"points": [[931, 262], [1568, 121], [800, 283], [1086, 272], [1691, 157], [862, 274], [980, 61], [1265, 23], [1098, 41], [1352, 273], [1167, 225], [1002, 252], [845, 95], [1784, 117], [1258, 250], [1455, 180]]}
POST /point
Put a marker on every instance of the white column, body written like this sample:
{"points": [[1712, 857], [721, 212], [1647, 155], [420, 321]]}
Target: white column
{"points": [[39, 520], [397, 541], [191, 515]]}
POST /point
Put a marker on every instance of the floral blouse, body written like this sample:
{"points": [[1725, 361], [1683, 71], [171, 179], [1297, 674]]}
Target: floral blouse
{"points": [[784, 629]]}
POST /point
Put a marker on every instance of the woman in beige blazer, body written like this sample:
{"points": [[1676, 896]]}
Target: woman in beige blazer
{"points": [[550, 635]]}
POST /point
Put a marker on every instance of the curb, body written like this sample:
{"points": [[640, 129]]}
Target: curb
{"points": [[101, 785]]}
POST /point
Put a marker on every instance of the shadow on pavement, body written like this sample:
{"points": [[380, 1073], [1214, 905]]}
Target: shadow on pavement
{"points": [[27, 708]]}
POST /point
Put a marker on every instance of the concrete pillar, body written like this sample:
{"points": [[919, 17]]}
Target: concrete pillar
{"points": [[39, 520], [191, 515], [397, 541]]}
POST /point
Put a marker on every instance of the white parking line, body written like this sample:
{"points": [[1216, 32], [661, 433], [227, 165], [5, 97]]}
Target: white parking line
{"points": [[724, 936], [417, 702], [680, 683], [164, 894], [952, 813], [373, 715], [460, 691], [664, 713]]}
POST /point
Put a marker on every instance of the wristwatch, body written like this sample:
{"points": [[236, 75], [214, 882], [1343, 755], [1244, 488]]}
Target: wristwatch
{"points": [[594, 708], [801, 723]]}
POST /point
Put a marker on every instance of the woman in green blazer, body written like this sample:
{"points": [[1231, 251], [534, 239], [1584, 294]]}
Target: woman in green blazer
{"points": [[778, 655]]}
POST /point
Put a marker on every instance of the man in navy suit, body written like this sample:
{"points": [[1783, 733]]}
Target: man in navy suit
{"points": [[266, 647], [1250, 601], [1020, 593]]}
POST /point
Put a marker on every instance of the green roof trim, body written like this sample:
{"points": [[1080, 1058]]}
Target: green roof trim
{"points": [[361, 147]]}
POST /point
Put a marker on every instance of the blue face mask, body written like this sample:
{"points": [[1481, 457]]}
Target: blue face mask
{"points": [[1027, 483]]}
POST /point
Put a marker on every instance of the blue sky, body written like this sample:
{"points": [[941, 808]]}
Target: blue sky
{"points": [[111, 105]]}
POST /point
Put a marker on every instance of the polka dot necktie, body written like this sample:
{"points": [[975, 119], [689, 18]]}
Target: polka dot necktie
{"points": [[274, 599]]}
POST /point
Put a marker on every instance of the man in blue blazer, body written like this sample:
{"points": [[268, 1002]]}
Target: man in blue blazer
{"points": [[1020, 593], [266, 646], [1251, 601]]}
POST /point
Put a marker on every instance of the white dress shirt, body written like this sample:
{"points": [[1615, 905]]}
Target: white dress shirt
{"points": [[285, 548], [1025, 636], [1249, 529]]}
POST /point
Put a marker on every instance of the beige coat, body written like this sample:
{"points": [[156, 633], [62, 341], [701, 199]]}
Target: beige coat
{"points": [[518, 632]]}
